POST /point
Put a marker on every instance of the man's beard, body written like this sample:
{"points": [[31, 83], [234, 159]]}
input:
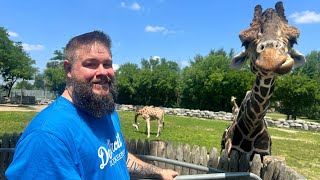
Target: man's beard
{"points": [[94, 104]]}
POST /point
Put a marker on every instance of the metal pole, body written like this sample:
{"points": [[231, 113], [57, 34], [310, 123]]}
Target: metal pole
{"points": [[179, 163], [217, 174]]}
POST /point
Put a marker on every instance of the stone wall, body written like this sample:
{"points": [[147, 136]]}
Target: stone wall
{"points": [[227, 116]]}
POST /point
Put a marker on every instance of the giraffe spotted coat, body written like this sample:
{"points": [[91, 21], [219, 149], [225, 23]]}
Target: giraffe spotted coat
{"points": [[269, 47], [149, 113]]}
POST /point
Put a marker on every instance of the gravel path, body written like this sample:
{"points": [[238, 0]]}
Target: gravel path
{"points": [[17, 107]]}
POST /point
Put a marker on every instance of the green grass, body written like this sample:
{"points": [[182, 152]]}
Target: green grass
{"points": [[14, 121], [300, 148]]}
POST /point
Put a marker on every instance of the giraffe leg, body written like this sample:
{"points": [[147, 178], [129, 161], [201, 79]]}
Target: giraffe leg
{"points": [[148, 126], [159, 127]]}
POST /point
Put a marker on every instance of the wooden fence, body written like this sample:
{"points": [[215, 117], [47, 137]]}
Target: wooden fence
{"points": [[272, 167]]}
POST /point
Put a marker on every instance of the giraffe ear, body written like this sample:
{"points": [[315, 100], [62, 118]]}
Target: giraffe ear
{"points": [[238, 60], [299, 59]]}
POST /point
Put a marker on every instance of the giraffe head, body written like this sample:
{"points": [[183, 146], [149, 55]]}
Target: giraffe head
{"points": [[233, 99], [269, 43]]}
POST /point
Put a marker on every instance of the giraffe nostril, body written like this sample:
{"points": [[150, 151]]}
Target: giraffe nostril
{"points": [[260, 47]]}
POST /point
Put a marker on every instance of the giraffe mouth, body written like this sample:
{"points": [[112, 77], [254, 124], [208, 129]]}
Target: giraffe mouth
{"points": [[272, 60], [286, 66]]}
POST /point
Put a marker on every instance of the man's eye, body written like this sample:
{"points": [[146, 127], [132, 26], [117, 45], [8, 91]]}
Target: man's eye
{"points": [[90, 65], [107, 66]]}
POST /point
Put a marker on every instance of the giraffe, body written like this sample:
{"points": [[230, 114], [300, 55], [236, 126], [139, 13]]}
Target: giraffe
{"points": [[269, 47], [235, 108], [149, 113]]}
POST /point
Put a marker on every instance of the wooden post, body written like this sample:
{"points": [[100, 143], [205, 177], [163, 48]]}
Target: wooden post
{"points": [[171, 154], [256, 165], [213, 158], [234, 161], [186, 158], [244, 162], [161, 152], [133, 146], [140, 147], [179, 157], [203, 158], [224, 161], [154, 151], [269, 165], [195, 158]]}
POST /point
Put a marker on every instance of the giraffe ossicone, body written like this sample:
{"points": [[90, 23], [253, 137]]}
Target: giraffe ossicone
{"points": [[269, 47]]}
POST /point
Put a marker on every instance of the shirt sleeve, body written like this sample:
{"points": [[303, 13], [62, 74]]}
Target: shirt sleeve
{"points": [[41, 155]]}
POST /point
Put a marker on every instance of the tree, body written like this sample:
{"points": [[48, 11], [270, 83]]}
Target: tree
{"points": [[15, 62], [24, 85], [54, 73], [127, 83], [296, 94]]}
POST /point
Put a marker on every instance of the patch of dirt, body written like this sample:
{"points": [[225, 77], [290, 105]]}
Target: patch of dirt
{"points": [[291, 139], [18, 107], [287, 130]]}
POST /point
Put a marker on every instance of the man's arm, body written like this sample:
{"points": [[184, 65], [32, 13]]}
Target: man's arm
{"points": [[140, 169]]}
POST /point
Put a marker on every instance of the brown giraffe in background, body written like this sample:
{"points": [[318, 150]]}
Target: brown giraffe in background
{"points": [[149, 113], [235, 108], [269, 47]]}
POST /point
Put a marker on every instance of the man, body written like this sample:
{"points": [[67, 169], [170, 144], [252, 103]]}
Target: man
{"points": [[78, 136]]}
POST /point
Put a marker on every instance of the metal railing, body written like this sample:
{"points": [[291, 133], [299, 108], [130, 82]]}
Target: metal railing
{"points": [[212, 172]]}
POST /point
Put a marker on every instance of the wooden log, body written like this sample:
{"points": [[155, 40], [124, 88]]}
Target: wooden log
{"points": [[203, 158], [154, 150], [224, 161], [133, 146], [277, 170], [281, 175], [195, 158], [270, 165], [244, 162], [140, 147], [171, 154], [186, 158], [234, 161], [162, 145], [292, 174], [256, 165], [213, 158], [179, 157], [127, 142], [146, 150]]}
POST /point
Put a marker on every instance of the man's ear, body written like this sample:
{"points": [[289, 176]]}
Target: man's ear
{"points": [[67, 67]]}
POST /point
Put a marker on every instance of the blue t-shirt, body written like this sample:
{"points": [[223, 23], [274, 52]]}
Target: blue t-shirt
{"points": [[63, 142]]}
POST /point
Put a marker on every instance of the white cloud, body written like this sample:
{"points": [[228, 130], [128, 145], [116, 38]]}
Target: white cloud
{"points": [[156, 57], [115, 66], [305, 17], [164, 30], [13, 34], [134, 6], [155, 29], [32, 47], [184, 64]]}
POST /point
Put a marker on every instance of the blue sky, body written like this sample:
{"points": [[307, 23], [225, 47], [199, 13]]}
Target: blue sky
{"points": [[173, 29]]}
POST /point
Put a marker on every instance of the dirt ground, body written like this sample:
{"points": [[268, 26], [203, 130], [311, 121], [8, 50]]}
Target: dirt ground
{"points": [[17, 107]]}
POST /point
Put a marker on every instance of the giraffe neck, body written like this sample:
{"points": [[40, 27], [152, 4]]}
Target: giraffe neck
{"points": [[255, 104], [234, 104]]}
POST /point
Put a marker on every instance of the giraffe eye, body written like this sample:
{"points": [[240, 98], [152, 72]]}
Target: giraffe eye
{"points": [[245, 44]]}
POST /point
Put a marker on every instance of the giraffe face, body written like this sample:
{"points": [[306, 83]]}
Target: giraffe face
{"points": [[269, 43]]}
